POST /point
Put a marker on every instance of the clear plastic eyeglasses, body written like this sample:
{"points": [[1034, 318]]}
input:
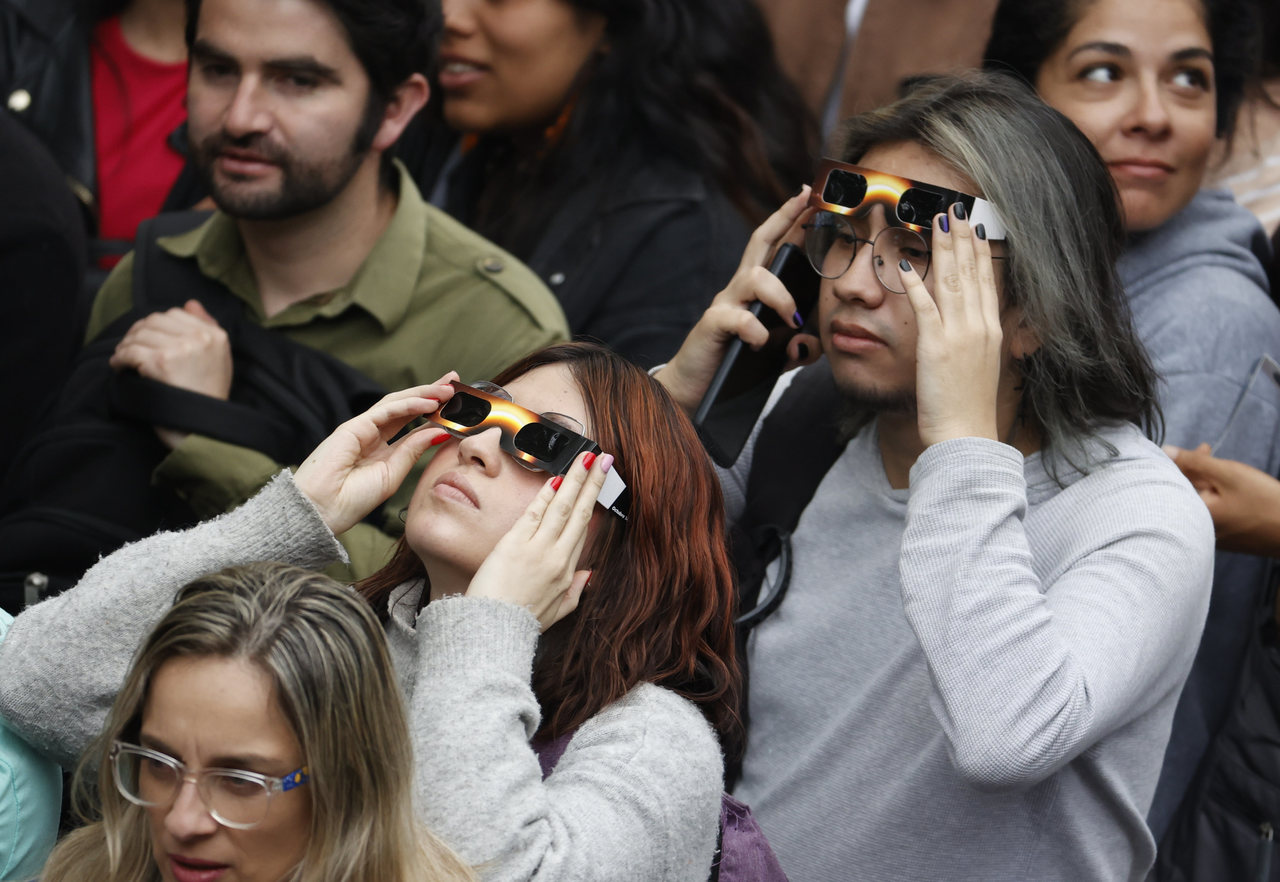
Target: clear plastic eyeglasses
{"points": [[559, 419], [235, 798]]}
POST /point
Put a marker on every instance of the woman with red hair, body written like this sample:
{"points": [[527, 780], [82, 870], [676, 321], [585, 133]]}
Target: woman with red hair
{"points": [[499, 641]]}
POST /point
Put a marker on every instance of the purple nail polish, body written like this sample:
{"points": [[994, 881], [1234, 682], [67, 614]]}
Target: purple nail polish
{"points": [[606, 462], [944, 223], [797, 319]]}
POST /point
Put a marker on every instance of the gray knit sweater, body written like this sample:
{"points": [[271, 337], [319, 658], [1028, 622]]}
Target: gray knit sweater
{"points": [[973, 679], [636, 795]]}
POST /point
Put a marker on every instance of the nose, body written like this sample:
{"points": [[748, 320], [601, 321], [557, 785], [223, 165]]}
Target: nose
{"points": [[483, 449], [1149, 112], [859, 282], [458, 17], [188, 817], [247, 113]]}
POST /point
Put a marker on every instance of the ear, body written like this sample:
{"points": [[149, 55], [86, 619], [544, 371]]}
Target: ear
{"points": [[410, 97], [1021, 338]]}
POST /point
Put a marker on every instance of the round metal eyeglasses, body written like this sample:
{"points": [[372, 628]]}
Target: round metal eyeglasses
{"points": [[831, 244], [235, 798]]}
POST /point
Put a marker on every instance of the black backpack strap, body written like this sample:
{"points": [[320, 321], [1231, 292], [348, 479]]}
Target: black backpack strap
{"points": [[797, 445]]}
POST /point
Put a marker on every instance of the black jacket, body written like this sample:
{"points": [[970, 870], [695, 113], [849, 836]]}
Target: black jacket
{"points": [[634, 257], [45, 83]]}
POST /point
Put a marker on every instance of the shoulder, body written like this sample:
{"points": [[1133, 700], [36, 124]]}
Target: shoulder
{"points": [[654, 722], [1212, 232], [454, 251]]}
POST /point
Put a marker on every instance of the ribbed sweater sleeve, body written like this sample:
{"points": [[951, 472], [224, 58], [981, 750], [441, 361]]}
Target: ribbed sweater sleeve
{"points": [[1032, 667], [64, 659], [635, 796]]}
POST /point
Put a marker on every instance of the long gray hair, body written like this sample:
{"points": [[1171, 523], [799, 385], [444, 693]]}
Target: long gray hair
{"points": [[326, 654], [1064, 233]]}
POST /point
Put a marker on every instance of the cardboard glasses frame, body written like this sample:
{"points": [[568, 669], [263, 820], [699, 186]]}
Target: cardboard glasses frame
{"points": [[528, 437], [842, 188]]}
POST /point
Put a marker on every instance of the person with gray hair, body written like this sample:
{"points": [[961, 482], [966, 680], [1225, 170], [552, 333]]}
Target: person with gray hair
{"points": [[283, 674], [995, 593]]}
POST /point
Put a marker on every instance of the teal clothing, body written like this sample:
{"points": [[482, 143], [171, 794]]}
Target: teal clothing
{"points": [[30, 799]]}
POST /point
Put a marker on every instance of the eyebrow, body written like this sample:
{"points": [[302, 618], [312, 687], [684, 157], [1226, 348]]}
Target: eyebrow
{"points": [[247, 761], [1192, 52], [203, 50]]}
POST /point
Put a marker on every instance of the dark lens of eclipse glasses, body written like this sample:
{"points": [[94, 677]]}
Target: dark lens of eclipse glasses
{"points": [[465, 410], [542, 441], [844, 188]]}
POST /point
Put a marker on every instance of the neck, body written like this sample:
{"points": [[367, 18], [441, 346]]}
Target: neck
{"points": [[444, 580], [299, 257], [155, 29], [900, 444]]}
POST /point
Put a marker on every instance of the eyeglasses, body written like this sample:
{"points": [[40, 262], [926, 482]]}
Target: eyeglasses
{"points": [[831, 244], [842, 188], [546, 442], [235, 798]]}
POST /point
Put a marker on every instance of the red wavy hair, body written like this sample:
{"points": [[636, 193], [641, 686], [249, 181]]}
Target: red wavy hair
{"points": [[661, 602]]}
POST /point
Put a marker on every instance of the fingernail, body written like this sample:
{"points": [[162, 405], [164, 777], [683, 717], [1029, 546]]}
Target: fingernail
{"points": [[436, 442], [803, 349], [797, 318], [958, 208], [943, 222], [980, 231], [588, 460], [904, 265], [556, 482], [606, 462]]}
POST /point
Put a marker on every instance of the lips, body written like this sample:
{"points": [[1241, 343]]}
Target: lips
{"points": [[457, 71], [189, 869], [854, 339], [457, 488], [1141, 167]]}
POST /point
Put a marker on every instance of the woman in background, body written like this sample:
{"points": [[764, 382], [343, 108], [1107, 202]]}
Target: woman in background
{"points": [[1154, 85], [624, 150]]}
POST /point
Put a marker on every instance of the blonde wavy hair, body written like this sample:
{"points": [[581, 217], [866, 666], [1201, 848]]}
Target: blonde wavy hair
{"points": [[326, 654]]}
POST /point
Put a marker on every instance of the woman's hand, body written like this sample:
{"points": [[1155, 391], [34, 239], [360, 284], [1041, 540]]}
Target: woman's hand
{"points": [[534, 564], [958, 336], [689, 372], [355, 470], [1243, 501]]}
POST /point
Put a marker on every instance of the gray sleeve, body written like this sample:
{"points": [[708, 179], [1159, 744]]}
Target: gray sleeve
{"points": [[635, 796], [64, 659], [1031, 668]]}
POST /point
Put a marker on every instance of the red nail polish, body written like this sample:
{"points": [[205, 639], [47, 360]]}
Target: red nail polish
{"points": [[588, 460], [436, 442], [556, 482]]}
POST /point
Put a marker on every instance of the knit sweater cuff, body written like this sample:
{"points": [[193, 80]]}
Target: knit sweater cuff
{"points": [[285, 525], [963, 462], [466, 633]]}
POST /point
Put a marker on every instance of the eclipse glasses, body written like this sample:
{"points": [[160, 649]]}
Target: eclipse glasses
{"points": [[541, 442], [843, 189]]}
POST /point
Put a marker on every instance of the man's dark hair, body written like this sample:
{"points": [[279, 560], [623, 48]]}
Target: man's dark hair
{"points": [[393, 39]]}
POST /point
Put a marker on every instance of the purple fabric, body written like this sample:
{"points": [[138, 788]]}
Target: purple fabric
{"points": [[743, 853]]}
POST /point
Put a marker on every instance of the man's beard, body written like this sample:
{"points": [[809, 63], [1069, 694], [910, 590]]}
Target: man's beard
{"points": [[859, 406], [304, 186]]}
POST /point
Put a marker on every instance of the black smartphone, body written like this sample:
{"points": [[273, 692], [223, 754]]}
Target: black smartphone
{"points": [[741, 385]]}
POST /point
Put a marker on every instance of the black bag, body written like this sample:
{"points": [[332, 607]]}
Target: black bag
{"points": [[81, 485], [1225, 828]]}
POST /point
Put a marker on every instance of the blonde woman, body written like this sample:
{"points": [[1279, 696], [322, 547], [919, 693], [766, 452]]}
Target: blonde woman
{"points": [[259, 736]]}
